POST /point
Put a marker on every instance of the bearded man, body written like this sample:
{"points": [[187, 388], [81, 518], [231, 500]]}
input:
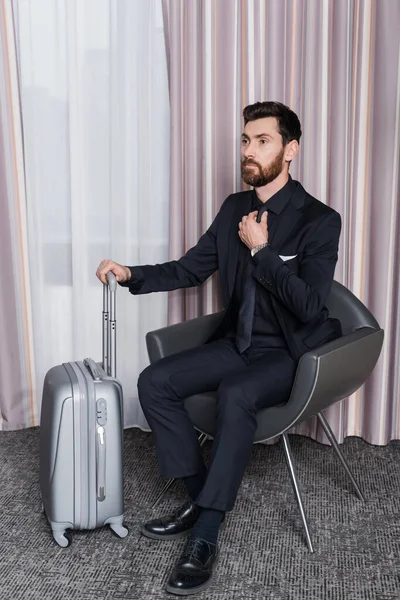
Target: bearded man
{"points": [[276, 249]]}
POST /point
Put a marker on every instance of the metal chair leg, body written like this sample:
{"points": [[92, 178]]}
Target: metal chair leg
{"points": [[202, 440], [163, 491], [331, 437], [203, 437], [289, 460]]}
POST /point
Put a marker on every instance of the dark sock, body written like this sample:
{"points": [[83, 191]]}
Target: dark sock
{"points": [[194, 484], [207, 525]]}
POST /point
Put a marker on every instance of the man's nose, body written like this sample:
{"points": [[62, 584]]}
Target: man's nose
{"points": [[248, 151]]}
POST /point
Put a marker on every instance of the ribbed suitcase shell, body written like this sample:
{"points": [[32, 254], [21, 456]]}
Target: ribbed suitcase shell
{"points": [[81, 450]]}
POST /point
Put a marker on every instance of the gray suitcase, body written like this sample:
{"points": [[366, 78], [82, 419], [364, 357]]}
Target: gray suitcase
{"points": [[81, 440]]}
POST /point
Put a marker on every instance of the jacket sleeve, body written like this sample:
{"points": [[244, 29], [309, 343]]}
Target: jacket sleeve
{"points": [[303, 294], [197, 265]]}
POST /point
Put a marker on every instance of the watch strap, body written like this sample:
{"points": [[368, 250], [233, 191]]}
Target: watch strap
{"points": [[258, 248]]}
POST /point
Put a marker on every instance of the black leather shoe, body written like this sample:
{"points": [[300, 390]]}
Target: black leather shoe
{"points": [[194, 569], [176, 525]]}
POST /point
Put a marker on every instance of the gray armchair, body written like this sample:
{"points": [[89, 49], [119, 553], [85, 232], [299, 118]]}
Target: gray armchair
{"points": [[324, 376]]}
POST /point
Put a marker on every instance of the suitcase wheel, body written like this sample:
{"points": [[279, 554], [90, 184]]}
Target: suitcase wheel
{"points": [[62, 538], [120, 530]]}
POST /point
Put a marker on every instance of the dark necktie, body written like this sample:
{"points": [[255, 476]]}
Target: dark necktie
{"points": [[247, 305]]}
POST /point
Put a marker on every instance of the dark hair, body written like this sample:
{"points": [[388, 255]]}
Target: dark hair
{"points": [[288, 122]]}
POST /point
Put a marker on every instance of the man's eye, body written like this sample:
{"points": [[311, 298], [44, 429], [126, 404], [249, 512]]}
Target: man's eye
{"points": [[244, 141], [263, 141]]}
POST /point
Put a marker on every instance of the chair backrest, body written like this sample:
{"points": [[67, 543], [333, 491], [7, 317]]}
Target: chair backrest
{"points": [[350, 311]]}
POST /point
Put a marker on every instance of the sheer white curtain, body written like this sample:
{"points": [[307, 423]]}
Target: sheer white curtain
{"points": [[96, 131]]}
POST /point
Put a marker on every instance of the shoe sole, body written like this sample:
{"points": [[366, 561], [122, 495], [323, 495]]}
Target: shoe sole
{"points": [[178, 592], [199, 588], [167, 536]]}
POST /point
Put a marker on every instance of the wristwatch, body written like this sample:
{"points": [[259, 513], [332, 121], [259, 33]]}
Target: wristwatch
{"points": [[254, 250]]}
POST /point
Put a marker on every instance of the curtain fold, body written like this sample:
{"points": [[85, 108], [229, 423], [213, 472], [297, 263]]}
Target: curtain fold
{"points": [[18, 408], [336, 64], [95, 107]]}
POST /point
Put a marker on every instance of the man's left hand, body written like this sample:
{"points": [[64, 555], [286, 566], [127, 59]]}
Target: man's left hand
{"points": [[252, 233]]}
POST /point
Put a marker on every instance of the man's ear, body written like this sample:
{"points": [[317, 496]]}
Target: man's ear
{"points": [[291, 150]]}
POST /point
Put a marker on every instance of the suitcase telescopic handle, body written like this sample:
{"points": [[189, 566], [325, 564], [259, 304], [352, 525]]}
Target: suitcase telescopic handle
{"points": [[109, 325]]}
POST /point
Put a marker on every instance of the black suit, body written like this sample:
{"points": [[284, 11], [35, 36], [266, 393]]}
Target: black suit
{"points": [[306, 230]]}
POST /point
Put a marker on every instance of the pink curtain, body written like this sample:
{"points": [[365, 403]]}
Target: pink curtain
{"points": [[18, 408], [337, 65]]}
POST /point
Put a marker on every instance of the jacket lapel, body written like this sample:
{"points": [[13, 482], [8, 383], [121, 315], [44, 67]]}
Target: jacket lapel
{"points": [[283, 227], [287, 220]]}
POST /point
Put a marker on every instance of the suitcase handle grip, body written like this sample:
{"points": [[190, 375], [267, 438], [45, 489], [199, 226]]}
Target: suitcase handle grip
{"points": [[112, 281], [109, 325], [93, 368]]}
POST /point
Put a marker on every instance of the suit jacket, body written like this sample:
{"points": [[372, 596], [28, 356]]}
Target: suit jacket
{"points": [[307, 232]]}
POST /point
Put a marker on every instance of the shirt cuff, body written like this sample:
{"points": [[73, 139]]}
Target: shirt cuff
{"points": [[266, 254]]}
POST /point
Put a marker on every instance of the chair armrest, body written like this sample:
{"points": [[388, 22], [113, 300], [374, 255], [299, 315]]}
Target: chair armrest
{"points": [[324, 376], [335, 370], [181, 336]]}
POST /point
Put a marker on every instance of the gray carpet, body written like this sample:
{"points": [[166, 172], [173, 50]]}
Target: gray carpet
{"points": [[263, 551]]}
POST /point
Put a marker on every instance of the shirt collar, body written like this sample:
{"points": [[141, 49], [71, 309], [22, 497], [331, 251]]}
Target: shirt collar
{"points": [[278, 201]]}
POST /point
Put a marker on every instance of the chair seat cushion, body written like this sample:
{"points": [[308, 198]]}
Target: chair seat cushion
{"points": [[202, 410]]}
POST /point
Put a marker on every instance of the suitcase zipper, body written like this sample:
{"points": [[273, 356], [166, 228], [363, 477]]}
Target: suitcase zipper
{"points": [[86, 433], [80, 450]]}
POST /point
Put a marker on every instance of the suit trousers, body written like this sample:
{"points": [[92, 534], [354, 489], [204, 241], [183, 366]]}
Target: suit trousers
{"points": [[243, 385]]}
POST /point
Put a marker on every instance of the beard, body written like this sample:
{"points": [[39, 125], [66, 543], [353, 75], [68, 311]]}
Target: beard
{"points": [[264, 175]]}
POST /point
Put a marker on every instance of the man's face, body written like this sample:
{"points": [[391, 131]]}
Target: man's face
{"points": [[262, 152]]}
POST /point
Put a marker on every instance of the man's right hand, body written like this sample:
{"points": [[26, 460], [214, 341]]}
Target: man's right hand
{"points": [[121, 273]]}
